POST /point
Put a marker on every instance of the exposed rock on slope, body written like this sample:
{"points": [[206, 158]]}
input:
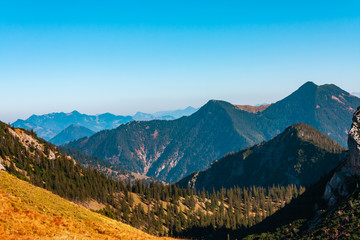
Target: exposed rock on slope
{"points": [[343, 181], [354, 145]]}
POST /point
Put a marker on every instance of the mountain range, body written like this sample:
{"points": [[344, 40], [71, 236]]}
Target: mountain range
{"points": [[329, 208], [164, 115], [49, 125], [171, 150]]}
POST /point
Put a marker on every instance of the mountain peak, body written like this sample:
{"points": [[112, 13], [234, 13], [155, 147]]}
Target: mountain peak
{"points": [[219, 103], [307, 133], [307, 87], [215, 107], [309, 84], [75, 112]]}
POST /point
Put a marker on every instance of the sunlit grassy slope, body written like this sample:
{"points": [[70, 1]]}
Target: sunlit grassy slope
{"points": [[29, 212]]}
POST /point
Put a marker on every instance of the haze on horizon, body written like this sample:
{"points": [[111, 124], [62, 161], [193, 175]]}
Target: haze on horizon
{"points": [[152, 56]]}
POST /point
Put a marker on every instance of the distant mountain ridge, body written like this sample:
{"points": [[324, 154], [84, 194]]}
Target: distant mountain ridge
{"points": [[300, 155], [171, 150], [71, 133], [47, 126], [164, 115]]}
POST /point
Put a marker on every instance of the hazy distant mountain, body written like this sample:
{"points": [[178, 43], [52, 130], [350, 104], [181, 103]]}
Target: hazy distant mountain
{"points": [[300, 155], [171, 150], [140, 116], [176, 113], [71, 133], [164, 115], [49, 125]]}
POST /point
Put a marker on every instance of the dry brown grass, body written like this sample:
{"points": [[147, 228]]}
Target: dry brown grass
{"points": [[29, 212], [252, 109]]}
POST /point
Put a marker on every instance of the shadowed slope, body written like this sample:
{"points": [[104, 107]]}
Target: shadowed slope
{"points": [[300, 155]]}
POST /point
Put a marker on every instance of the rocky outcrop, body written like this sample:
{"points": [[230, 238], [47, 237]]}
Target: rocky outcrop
{"points": [[342, 182], [353, 163], [2, 167]]}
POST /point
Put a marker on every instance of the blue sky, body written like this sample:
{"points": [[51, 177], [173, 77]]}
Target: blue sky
{"points": [[128, 56]]}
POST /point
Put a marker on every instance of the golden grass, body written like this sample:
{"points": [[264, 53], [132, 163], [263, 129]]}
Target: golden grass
{"points": [[29, 212]]}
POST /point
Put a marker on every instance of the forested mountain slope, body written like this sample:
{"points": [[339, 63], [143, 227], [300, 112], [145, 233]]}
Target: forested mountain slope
{"points": [[300, 155]]}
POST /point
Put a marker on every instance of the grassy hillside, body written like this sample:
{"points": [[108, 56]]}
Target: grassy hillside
{"points": [[29, 212]]}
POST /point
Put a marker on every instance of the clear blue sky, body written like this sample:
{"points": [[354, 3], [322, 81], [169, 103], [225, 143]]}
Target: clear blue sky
{"points": [[128, 56]]}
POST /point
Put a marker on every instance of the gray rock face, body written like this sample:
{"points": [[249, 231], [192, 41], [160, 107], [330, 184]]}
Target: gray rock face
{"points": [[353, 164], [337, 187]]}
